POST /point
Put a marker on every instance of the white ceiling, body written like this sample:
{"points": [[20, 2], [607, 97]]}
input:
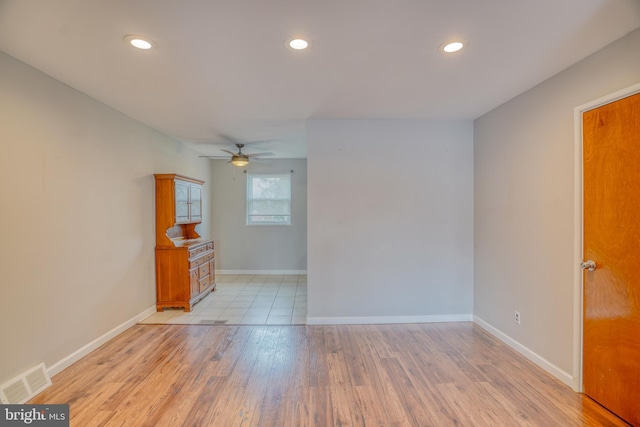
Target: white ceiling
{"points": [[221, 68]]}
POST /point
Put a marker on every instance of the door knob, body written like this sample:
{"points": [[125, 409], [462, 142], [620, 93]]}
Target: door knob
{"points": [[588, 265]]}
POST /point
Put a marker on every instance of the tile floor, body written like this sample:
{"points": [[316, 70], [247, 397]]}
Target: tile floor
{"points": [[246, 300]]}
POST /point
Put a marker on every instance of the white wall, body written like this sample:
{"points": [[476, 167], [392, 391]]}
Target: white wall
{"points": [[390, 222], [524, 204], [77, 216], [242, 248]]}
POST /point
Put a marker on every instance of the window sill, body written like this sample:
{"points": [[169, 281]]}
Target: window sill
{"points": [[268, 225]]}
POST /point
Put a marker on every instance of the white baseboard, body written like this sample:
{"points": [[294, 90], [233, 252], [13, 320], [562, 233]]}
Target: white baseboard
{"points": [[261, 272], [80, 353], [370, 320], [552, 369]]}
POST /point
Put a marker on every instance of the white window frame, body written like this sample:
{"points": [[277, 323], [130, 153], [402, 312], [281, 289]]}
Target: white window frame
{"points": [[249, 199]]}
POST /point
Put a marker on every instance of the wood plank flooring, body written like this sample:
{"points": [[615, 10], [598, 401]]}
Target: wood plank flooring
{"points": [[438, 374]]}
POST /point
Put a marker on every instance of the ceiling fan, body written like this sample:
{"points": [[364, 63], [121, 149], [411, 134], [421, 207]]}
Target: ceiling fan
{"points": [[242, 159]]}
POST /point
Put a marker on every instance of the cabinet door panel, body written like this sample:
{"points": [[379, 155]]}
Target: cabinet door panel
{"points": [[212, 271], [194, 280], [182, 202], [196, 203]]}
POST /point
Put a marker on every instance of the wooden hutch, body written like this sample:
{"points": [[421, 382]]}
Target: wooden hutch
{"points": [[185, 264]]}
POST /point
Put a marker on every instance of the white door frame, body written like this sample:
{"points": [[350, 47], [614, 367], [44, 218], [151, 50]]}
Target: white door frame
{"points": [[578, 224]]}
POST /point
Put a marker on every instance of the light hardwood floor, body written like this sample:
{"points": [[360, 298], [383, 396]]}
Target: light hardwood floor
{"points": [[446, 374]]}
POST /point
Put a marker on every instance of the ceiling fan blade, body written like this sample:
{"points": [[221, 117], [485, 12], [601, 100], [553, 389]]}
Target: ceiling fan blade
{"points": [[227, 151], [235, 141], [258, 154], [259, 160], [228, 138], [216, 157]]}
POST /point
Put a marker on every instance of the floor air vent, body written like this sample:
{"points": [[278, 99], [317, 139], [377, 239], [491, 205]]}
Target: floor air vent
{"points": [[25, 386]]}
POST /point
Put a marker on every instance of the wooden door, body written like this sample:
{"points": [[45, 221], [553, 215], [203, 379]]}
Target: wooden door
{"points": [[611, 342]]}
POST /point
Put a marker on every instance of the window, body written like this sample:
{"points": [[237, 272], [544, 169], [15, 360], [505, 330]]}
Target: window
{"points": [[268, 199]]}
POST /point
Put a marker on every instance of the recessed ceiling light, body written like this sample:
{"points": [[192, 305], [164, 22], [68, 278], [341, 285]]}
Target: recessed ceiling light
{"points": [[297, 43], [138, 41], [451, 46]]}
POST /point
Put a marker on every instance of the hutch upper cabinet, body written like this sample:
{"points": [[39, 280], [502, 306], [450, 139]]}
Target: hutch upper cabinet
{"points": [[188, 201], [185, 262]]}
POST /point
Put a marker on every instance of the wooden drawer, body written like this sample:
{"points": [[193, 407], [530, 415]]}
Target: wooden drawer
{"points": [[204, 269], [197, 262], [197, 250], [204, 283], [199, 259], [194, 252]]}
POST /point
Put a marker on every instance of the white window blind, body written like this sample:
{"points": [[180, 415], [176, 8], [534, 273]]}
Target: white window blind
{"points": [[268, 199]]}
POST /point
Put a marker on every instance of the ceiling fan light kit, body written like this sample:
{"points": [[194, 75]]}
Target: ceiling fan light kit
{"points": [[239, 161]]}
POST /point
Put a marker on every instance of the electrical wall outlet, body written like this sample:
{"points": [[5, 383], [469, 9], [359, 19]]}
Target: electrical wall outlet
{"points": [[516, 317]]}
